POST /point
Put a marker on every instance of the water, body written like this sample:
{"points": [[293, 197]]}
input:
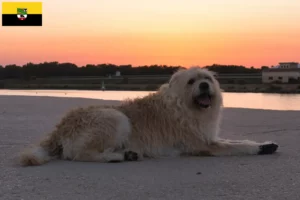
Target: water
{"points": [[235, 100]]}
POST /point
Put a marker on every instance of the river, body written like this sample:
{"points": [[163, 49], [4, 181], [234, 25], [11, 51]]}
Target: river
{"points": [[236, 100]]}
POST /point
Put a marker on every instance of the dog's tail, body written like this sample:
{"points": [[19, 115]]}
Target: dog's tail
{"points": [[48, 149]]}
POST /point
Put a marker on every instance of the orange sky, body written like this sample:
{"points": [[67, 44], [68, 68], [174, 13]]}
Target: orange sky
{"points": [[171, 32]]}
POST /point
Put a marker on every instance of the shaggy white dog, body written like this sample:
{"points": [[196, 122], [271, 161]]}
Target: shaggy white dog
{"points": [[181, 118]]}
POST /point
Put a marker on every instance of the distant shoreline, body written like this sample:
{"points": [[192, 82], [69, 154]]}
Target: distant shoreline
{"points": [[236, 88], [241, 83]]}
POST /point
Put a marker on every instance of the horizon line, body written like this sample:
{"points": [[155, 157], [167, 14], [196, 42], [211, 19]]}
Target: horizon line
{"points": [[108, 63]]}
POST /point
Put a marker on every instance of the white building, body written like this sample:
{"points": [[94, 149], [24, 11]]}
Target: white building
{"points": [[286, 72], [118, 73], [288, 65]]}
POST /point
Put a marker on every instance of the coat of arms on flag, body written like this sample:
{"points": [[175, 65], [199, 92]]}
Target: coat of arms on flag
{"points": [[22, 13]]}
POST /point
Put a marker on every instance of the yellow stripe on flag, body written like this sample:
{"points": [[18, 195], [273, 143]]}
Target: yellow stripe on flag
{"points": [[32, 7]]}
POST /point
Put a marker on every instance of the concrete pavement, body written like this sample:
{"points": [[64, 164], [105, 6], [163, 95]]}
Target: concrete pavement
{"points": [[24, 120]]}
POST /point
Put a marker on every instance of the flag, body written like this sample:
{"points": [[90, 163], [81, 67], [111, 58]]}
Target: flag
{"points": [[22, 14]]}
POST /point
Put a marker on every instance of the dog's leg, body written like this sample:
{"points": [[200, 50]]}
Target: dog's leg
{"points": [[223, 147], [107, 156], [94, 156]]}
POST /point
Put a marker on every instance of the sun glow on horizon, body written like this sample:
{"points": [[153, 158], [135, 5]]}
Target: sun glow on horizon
{"points": [[166, 32]]}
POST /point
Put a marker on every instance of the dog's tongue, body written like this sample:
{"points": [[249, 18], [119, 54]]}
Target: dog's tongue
{"points": [[204, 100]]}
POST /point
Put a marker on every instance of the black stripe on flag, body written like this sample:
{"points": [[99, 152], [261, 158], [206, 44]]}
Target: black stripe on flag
{"points": [[13, 20]]}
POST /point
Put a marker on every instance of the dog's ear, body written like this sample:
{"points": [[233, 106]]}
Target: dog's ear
{"points": [[175, 75]]}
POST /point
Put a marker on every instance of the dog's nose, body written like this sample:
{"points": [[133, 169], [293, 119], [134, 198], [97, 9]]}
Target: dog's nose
{"points": [[204, 86]]}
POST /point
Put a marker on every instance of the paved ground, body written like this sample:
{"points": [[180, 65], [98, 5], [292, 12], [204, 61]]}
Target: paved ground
{"points": [[26, 119]]}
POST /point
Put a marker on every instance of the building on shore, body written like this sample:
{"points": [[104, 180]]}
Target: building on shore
{"points": [[286, 72], [118, 73], [288, 65]]}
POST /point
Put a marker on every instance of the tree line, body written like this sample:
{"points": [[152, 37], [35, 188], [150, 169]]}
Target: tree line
{"points": [[55, 69]]}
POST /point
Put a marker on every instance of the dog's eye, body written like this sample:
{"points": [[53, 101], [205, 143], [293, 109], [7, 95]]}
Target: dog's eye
{"points": [[191, 81], [208, 78]]}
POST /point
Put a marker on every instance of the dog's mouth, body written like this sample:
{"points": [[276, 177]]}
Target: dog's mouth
{"points": [[203, 100]]}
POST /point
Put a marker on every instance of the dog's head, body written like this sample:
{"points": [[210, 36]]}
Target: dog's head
{"points": [[197, 87]]}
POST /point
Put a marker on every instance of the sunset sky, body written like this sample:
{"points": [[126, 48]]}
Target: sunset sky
{"points": [[170, 32]]}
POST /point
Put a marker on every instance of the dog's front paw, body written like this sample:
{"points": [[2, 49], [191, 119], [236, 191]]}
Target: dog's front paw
{"points": [[130, 156], [267, 148]]}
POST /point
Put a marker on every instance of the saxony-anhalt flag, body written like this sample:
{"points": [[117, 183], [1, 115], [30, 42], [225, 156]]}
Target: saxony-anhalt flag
{"points": [[21, 14]]}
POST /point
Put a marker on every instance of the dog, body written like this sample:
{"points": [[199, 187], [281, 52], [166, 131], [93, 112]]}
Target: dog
{"points": [[181, 118]]}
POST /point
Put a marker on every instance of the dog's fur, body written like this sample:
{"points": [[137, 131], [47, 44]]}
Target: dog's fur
{"points": [[169, 122]]}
